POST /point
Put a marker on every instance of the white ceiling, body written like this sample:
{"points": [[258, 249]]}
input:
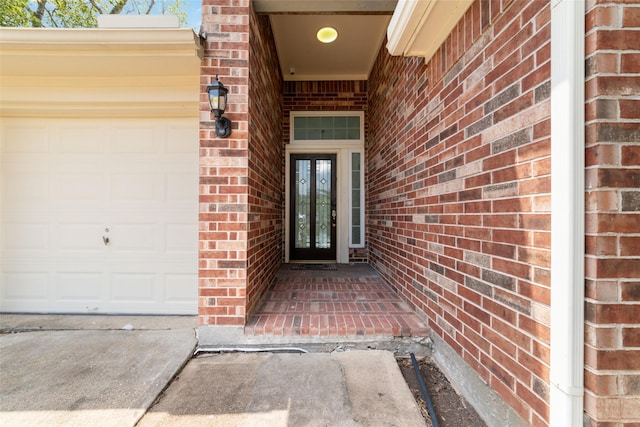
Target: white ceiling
{"points": [[361, 26]]}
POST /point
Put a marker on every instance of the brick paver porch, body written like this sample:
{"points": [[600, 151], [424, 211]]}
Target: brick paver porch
{"points": [[352, 300]]}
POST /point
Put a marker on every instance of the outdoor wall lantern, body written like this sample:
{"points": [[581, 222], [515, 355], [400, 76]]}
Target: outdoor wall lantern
{"points": [[218, 103]]}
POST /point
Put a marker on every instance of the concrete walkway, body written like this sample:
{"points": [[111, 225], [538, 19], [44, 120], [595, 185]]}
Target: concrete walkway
{"points": [[88, 370], [353, 388], [108, 371]]}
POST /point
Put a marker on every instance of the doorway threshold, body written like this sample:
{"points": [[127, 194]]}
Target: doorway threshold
{"points": [[311, 261]]}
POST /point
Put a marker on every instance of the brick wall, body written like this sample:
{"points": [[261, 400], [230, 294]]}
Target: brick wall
{"points": [[612, 310], [459, 192], [266, 161], [222, 259]]}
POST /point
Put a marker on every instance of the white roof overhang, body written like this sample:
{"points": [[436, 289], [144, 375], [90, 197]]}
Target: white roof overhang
{"points": [[139, 72], [419, 27]]}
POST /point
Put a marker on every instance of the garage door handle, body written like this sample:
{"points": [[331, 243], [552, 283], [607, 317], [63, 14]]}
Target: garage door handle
{"points": [[105, 239]]}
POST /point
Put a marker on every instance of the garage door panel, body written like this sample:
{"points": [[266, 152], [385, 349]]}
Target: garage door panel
{"points": [[65, 182], [130, 140], [134, 238], [86, 149], [79, 140], [25, 237], [133, 287], [83, 187], [180, 237], [22, 187], [177, 135], [25, 286], [84, 238], [25, 137], [177, 289], [180, 187], [80, 286], [136, 187]]}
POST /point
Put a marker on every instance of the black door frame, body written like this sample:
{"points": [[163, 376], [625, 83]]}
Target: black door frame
{"points": [[313, 253]]}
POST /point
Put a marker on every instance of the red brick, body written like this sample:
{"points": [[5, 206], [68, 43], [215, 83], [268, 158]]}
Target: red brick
{"points": [[602, 385], [535, 328], [602, 62], [537, 257], [541, 351], [601, 17], [630, 246], [229, 320], [602, 337], [631, 291], [618, 40], [537, 150], [601, 245], [618, 268], [537, 404], [629, 108], [611, 313], [613, 359], [602, 201], [631, 336], [611, 223], [631, 17], [512, 205], [616, 85], [511, 364], [630, 155], [630, 62], [499, 372]]}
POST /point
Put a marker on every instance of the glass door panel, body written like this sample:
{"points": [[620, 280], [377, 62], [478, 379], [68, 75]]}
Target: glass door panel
{"points": [[302, 207], [313, 207], [323, 204]]}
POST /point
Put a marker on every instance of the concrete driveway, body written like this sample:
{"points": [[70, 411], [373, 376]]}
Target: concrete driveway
{"points": [[88, 370]]}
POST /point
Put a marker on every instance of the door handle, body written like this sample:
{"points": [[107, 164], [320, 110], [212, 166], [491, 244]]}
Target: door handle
{"points": [[333, 217], [105, 239]]}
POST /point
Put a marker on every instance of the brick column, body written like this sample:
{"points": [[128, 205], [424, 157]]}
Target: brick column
{"points": [[612, 310], [222, 259]]}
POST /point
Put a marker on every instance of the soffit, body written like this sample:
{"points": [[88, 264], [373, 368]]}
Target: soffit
{"points": [[350, 57], [361, 26]]}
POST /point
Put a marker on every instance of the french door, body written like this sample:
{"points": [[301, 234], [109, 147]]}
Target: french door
{"points": [[313, 207]]}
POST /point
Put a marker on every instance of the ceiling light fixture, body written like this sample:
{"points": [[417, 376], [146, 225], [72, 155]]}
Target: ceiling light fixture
{"points": [[327, 35]]}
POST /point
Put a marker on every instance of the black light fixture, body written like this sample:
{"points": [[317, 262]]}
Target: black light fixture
{"points": [[218, 103]]}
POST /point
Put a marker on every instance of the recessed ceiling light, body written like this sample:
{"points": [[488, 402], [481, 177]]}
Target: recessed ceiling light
{"points": [[327, 34]]}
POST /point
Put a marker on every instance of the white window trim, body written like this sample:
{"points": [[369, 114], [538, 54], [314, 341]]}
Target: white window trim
{"points": [[350, 206], [342, 142]]}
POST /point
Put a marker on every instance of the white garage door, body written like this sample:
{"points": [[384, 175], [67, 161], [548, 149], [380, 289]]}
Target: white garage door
{"points": [[99, 216]]}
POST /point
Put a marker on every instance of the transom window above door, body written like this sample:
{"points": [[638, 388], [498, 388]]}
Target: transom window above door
{"points": [[327, 126]]}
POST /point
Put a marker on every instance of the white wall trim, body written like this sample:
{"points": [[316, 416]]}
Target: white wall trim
{"points": [[418, 28], [148, 72], [567, 213], [405, 21]]}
